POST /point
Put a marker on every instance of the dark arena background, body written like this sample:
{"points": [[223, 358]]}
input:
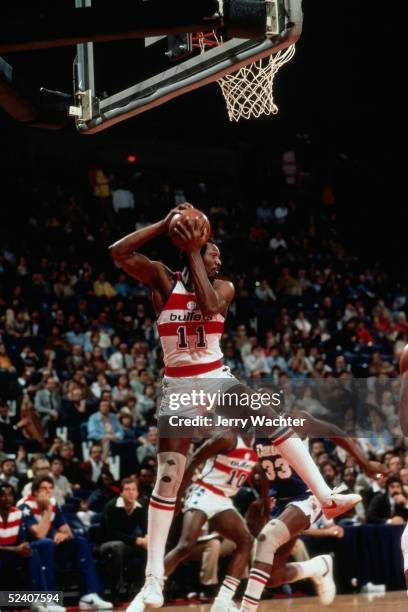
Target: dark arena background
{"points": [[308, 209]]}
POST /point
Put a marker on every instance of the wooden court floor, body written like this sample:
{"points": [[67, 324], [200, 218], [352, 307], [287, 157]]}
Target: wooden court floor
{"points": [[394, 601]]}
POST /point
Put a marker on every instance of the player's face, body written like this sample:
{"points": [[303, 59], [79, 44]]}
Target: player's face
{"points": [[212, 260]]}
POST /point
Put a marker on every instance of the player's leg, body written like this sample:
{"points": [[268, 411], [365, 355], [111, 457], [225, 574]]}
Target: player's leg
{"points": [[232, 526], [296, 454], [273, 547], [277, 535], [193, 521], [404, 548], [171, 462]]}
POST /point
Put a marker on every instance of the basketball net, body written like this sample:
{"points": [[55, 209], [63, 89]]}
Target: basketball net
{"points": [[248, 92]]}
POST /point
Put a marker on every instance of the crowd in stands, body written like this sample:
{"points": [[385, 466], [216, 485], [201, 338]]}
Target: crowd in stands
{"points": [[81, 364]]}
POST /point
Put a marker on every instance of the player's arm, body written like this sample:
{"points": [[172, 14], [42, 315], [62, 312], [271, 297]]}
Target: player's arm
{"points": [[212, 299], [403, 403], [220, 443], [319, 428], [125, 251]]}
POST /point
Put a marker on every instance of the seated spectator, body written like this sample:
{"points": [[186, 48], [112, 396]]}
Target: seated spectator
{"points": [[122, 391], [390, 507], [62, 488], [275, 360], [47, 402], [8, 472], [104, 492], [99, 385], [76, 359], [123, 533], [264, 292], [120, 361], [15, 550], [92, 468], [72, 466], [104, 427], [146, 402], [148, 445], [256, 364], [130, 432], [103, 288], [278, 242], [6, 364], [41, 505], [40, 467]]}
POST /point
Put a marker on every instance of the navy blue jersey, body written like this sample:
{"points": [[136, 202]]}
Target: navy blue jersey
{"points": [[284, 483]]}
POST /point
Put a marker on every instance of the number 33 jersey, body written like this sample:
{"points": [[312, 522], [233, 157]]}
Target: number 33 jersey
{"points": [[284, 482]]}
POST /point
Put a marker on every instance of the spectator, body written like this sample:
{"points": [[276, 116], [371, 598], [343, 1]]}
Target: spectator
{"points": [[41, 505], [103, 288], [123, 533], [47, 402], [256, 364], [8, 472], [104, 427], [390, 507], [92, 469], [62, 488], [148, 445]]}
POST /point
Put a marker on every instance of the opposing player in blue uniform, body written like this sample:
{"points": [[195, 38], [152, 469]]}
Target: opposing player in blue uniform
{"points": [[296, 509]]}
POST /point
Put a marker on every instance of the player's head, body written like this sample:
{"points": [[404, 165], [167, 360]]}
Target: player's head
{"points": [[212, 259], [6, 496]]}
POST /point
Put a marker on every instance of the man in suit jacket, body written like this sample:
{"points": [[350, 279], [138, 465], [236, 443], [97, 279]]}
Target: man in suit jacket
{"points": [[390, 507]]}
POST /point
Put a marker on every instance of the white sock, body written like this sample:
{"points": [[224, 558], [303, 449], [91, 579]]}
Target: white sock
{"points": [[161, 512], [296, 454], [316, 566], [253, 593], [228, 588]]}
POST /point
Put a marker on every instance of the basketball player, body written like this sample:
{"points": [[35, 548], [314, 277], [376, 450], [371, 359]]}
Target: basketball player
{"points": [[404, 427], [191, 312], [229, 461], [295, 511]]}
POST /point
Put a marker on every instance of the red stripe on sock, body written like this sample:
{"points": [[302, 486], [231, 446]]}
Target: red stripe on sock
{"points": [[261, 580]]}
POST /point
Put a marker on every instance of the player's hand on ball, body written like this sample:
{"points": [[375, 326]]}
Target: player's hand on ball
{"points": [[190, 233], [174, 211]]}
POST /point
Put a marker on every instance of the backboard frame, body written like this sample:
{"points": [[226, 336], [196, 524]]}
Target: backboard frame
{"points": [[189, 75]]}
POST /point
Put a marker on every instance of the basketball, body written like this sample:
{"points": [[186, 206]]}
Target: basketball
{"points": [[184, 215]]}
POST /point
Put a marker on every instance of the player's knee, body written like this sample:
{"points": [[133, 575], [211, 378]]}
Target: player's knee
{"points": [[170, 472], [271, 538], [245, 541]]}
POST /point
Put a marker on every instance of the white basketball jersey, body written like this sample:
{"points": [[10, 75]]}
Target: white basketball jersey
{"points": [[190, 341], [226, 474]]}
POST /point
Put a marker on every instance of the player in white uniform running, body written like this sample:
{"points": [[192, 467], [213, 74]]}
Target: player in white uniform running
{"points": [[404, 427], [295, 511], [229, 462], [191, 313]]}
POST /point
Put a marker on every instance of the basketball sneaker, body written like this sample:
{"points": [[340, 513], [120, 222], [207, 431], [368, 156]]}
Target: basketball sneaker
{"points": [[151, 595], [338, 503], [324, 583], [92, 601]]}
